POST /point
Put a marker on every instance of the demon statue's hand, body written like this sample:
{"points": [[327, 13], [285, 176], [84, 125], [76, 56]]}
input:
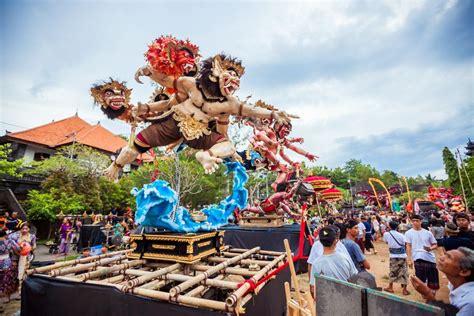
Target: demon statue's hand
{"points": [[141, 110], [283, 117], [142, 71], [298, 140], [311, 157], [112, 172]]}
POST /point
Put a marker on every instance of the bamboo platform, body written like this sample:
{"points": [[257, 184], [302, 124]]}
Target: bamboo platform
{"points": [[262, 221], [225, 281]]}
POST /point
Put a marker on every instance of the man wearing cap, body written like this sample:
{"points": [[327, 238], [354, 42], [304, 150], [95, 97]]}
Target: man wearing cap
{"points": [[453, 241], [331, 263], [463, 221], [420, 244], [458, 265], [318, 250]]}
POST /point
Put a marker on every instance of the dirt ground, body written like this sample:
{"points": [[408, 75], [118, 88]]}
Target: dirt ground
{"points": [[379, 266]]}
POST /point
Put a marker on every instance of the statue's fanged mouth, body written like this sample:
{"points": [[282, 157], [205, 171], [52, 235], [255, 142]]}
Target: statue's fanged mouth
{"points": [[116, 103]]}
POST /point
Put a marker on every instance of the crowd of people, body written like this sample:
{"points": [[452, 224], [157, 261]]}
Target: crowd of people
{"points": [[344, 241], [17, 243]]}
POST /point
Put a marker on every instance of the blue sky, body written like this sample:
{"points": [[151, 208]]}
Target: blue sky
{"points": [[388, 82]]}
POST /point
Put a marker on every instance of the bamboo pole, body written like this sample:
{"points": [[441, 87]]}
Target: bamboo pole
{"points": [[152, 275], [211, 271], [210, 282], [462, 187], [203, 288], [242, 290], [86, 266], [292, 270], [235, 271], [244, 262], [114, 279], [155, 284], [101, 272], [252, 257], [75, 261], [192, 301], [263, 252], [465, 171]]}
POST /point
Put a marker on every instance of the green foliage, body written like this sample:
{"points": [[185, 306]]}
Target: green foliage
{"points": [[450, 166], [41, 206], [73, 184], [10, 168], [413, 194]]}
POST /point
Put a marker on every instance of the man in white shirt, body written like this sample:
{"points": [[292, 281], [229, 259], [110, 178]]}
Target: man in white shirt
{"points": [[361, 237], [458, 265], [420, 244], [332, 263], [318, 250], [398, 258]]}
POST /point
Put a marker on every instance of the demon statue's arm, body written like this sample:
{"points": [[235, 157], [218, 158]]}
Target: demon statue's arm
{"points": [[298, 150]]}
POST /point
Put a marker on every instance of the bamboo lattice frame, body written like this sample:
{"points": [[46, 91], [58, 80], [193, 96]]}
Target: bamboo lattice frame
{"points": [[186, 283]]}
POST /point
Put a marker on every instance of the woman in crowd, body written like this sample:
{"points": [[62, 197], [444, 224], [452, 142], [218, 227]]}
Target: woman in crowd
{"points": [[369, 229], [65, 232], [8, 280], [27, 243]]}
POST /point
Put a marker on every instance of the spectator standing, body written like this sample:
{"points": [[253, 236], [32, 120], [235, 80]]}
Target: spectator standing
{"points": [[332, 263], [355, 253], [368, 236], [65, 232], [317, 250], [463, 221], [398, 258], [27, 242], [13, 222], [453, 241], [8, 276], [420, 244], [361, 237], [458, 265]]}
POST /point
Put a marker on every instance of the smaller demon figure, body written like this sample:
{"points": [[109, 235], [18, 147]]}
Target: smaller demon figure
{"points": [[282, 202], [113, 97], [270, 142]]}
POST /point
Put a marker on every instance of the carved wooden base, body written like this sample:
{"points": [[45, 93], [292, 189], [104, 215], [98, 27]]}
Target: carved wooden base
{"points": [[262, 221], [176, 247]]}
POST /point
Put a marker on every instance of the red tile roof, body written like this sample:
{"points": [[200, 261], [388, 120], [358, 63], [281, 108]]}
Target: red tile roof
{"points": [[73, 129]]}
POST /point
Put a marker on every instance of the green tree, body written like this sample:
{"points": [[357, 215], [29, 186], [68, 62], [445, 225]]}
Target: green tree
{"points": [[10, 168], [450, 167]]}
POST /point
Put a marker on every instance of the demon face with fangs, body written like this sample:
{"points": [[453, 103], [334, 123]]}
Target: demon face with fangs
{"points": [[169, 58], [219, 77], [113, 98]]}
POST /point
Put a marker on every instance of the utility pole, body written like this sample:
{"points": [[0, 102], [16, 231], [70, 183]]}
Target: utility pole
{"points": [[352, 198], [462, 185]]}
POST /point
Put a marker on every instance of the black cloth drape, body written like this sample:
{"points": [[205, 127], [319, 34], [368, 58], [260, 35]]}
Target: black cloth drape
{"points": [[43, 296], [268, 239]]}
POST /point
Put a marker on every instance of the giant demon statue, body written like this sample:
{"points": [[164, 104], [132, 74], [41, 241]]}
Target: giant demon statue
{"points": [[196, 103]]}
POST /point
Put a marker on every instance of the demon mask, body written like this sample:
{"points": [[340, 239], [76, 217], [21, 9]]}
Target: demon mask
{"points": [[112, 96], [219, 77]]}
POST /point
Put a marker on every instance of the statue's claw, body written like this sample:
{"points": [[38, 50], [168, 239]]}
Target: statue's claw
{"points": [[209, 163], [142, 71]]}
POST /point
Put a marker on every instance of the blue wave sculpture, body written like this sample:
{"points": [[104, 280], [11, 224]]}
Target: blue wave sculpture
{"points": [[157, 200]]}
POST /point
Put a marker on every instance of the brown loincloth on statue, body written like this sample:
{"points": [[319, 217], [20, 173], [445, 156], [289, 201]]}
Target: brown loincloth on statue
{"points": [[167, 132]]}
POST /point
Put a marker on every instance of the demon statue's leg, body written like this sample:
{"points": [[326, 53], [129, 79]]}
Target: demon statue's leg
{"points": [[127, 155], [210, 159], [253, 209]]}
